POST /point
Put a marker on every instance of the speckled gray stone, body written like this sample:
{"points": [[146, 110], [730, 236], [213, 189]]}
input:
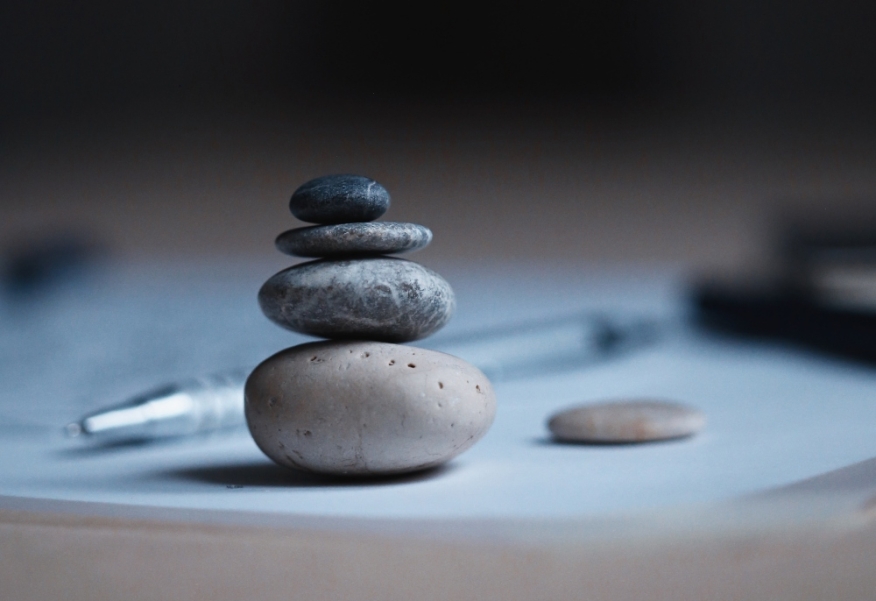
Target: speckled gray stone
{"points": [[372, 298], [366, 408], [339, 199], [354, 239], [627, 421]]}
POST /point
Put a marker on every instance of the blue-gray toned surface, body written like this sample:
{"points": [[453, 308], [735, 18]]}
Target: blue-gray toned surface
{"points": [[775, 415]]}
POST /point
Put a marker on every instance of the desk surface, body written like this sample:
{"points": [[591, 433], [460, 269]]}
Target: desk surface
{"points": [[777, 416]]}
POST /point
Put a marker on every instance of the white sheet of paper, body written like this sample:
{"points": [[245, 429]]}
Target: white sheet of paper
{"points": [[775, 414]]}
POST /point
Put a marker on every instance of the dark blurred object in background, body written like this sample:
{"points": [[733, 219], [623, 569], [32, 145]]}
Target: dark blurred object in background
{"points": [[768, 312], [832, 258], [822, 294], [61, 57], [36, 267]]}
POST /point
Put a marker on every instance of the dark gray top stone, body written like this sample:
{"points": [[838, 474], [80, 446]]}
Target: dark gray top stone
{"points": [[374, 298], [354, 239], [339, 199]]}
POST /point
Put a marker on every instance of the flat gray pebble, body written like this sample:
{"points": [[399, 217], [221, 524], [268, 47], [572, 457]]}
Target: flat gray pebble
{"points": [[626, 421], [339, 199], [354, 239], [373, 298]]}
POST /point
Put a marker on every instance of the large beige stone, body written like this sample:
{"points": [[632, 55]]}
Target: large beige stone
{"points": [[366, 408]]}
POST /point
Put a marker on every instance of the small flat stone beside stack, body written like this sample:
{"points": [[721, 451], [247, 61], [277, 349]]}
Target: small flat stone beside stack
{"points": [[626, 421], [361, 404]]}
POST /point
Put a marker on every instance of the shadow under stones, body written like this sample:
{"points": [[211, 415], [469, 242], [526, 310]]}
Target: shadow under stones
{"points": [[547, 441], [270, 475]]}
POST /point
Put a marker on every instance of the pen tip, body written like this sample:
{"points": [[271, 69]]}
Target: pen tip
{"points": [[73, 429]]}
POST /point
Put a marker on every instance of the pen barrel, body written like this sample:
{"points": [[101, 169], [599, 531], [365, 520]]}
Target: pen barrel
{"points": [[547, 346], [502, 355], [199, 406], [218, 402]]}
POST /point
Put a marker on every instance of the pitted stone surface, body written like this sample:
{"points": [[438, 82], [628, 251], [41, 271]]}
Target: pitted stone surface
{"points": [[372, 298], [339, 199], [366, 408], [626, 421], [354, 239]]}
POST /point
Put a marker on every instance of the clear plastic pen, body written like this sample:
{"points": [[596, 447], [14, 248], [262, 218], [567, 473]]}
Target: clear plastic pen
{"points": [[216, 402], [185, 408]]}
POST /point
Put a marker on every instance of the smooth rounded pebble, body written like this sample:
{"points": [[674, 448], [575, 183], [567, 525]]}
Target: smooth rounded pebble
{"points": [[366, 408], [373, 298], [354, 239], [626, 421], [339, 199]]}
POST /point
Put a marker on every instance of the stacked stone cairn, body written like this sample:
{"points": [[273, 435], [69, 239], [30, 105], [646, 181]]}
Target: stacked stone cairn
{"points": [[361, 403]]}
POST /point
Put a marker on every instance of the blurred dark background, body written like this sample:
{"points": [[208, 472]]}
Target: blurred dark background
{"points": [[133, 118], [63, 56]]}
